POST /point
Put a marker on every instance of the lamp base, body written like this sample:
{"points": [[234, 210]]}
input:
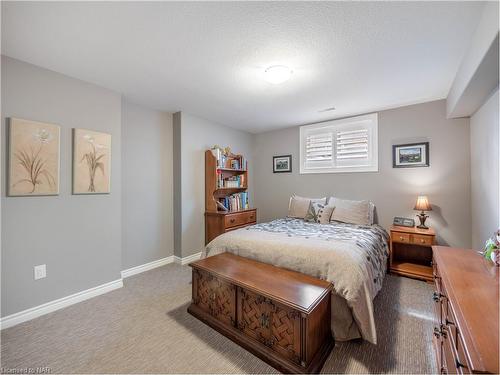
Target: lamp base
{"points": [[422, 217]]}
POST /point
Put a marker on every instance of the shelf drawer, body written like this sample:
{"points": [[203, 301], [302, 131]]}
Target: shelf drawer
{"points": [[421, 240], [239, 218], [400, 237]]}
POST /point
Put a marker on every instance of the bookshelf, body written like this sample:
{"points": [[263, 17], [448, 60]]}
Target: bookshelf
{"points": [[226, 182]]}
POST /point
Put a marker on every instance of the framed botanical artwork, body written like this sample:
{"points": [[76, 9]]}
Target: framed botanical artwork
{"points": [[410, 155], [91, 162], [33, 158], [282, 164]]}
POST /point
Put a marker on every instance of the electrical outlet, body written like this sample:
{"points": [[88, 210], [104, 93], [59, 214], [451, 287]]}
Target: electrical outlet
{"points": [[40, 271]]}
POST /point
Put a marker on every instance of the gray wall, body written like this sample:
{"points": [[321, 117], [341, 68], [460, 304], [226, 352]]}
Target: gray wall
{"points": [[394, 191], [197, 135], [485, 156], [147, 187], [77, 236]]}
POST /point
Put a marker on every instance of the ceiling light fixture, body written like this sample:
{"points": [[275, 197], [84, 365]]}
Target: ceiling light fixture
{"points": [[277, 74]]}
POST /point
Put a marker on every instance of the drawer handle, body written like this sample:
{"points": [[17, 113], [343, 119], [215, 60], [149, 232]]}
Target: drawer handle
{"points": [[401, 238], [444, 333], [232, 221], [251, 217], [437, 332], [449, 322], [436, 296], [458, 364], [422, 240]]}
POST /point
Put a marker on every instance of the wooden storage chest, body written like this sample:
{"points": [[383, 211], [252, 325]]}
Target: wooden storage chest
{"points": [[281, 316]]}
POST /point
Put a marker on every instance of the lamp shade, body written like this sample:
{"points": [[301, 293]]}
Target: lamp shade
{"points": [[422, 204]]}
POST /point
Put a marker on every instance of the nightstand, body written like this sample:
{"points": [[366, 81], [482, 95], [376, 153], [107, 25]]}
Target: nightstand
{"points": [[411, 252]]}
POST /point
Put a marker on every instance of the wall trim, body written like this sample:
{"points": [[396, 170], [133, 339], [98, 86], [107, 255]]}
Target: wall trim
{"points": [[35, 312], [188, 259], [146, 267]]}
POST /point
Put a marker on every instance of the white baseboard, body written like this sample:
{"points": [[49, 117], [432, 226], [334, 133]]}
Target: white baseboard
{"points": [[35, 312], [188, 259], [147, 266]]}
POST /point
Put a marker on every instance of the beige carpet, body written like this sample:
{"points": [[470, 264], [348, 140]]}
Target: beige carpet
{"points": [[144, 328]]}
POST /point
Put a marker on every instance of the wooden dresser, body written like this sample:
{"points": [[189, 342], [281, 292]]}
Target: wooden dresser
{"points": [[217, 223], [466, 300], [281, 316]]}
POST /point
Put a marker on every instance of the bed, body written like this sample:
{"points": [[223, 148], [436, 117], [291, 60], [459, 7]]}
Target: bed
{"points": [[352, 257]]}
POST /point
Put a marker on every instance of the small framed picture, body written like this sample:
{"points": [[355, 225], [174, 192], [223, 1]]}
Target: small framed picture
{"points": [[282, 164], [410, 155]]}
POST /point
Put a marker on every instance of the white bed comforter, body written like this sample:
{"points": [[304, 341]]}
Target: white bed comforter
{"points": [[352, 257]]}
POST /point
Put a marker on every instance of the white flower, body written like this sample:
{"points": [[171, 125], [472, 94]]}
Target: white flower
{"points": [[99, 146], [43, 136], [89, 138]]}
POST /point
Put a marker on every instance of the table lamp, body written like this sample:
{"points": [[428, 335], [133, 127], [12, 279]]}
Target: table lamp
{"points": [[422, 205]]}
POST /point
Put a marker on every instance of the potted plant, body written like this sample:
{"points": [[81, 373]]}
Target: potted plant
{"points": [[492, 248]]}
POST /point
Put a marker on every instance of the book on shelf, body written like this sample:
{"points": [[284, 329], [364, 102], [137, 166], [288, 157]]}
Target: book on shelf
{"points": [[236, 162], [230, 182], [234, 202]]}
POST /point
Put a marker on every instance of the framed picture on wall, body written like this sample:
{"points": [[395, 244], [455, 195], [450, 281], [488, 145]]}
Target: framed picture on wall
{"points": [[282, 164], [91, 162], [33, 158], [410, 155]]}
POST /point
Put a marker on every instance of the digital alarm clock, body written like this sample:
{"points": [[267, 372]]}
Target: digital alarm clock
{"points": [[404, 222]]}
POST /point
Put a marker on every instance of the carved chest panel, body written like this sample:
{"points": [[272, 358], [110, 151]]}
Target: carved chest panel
{"points": [[271, 325]]}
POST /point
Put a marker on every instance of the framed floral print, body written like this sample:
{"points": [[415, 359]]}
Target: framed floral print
{"points": [[91, 162], [34, 152]]}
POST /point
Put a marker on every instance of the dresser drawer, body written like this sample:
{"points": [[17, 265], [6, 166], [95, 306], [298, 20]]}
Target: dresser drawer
{"points": [[401, 237], [239, 218], [449, 358], [422, 240], [462, 357]]}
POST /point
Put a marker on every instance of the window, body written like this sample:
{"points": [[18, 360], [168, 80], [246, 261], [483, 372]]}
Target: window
{"points": [[347, 145]]}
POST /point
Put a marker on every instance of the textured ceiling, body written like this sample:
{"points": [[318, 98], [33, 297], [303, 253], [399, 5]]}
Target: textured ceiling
{"points": [[207, 58]]}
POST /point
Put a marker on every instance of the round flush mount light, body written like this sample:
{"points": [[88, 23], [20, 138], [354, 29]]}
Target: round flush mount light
{"points": [[277, 74]]}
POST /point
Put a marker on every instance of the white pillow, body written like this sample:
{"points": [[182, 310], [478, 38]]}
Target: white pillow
{"points": [[353, 212], [299, 206]]}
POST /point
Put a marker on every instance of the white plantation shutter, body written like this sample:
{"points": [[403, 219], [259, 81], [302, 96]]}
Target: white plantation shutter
{"points": [[347, 145], [352, 144], [319, 149]]}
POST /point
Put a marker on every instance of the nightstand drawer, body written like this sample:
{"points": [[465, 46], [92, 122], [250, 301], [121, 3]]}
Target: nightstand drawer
{"points": [[400, 237], [422, 240]]}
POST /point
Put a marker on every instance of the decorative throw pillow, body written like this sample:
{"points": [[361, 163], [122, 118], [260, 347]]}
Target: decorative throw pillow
{"points": [[299, 206], [353, 212], [319, 213]]}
